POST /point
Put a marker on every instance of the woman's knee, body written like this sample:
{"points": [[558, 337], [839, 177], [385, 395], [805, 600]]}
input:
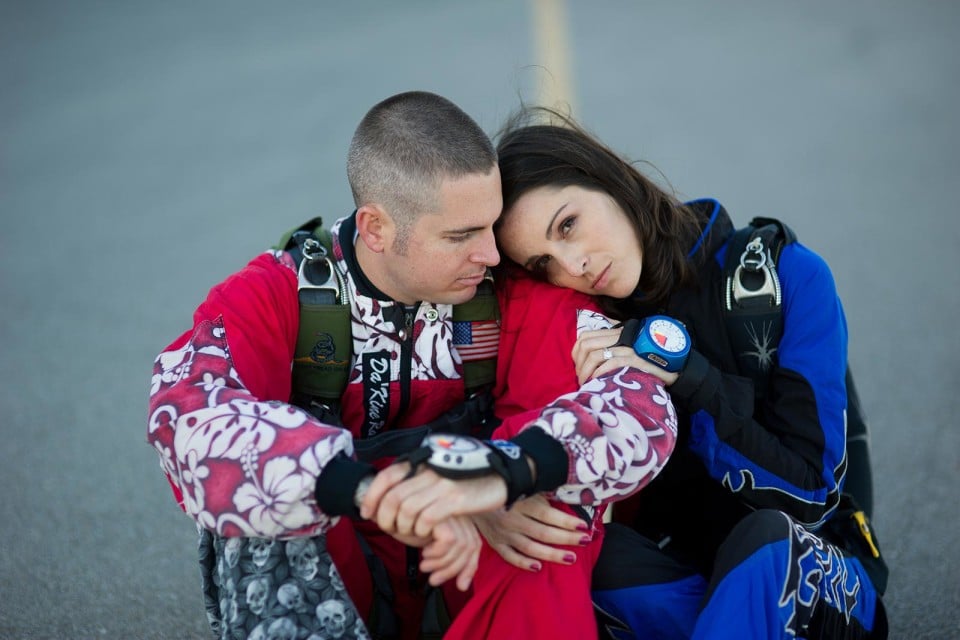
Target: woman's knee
{"points": [[757, 530]]}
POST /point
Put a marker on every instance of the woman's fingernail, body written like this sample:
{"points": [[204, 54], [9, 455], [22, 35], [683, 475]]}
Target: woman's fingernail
{"points": [[585, 540], [569, 558], [583, 526], [535, 566]]}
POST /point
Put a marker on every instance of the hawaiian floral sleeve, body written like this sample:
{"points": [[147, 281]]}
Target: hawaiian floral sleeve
{"points": [[619, 431], [240, 462]]}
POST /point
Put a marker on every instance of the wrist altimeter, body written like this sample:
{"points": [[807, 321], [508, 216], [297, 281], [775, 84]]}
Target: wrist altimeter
{"points": [[460, 457], [664, 342]]}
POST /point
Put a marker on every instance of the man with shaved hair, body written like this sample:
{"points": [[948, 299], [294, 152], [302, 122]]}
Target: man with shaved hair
{"points": [[297, 534]]}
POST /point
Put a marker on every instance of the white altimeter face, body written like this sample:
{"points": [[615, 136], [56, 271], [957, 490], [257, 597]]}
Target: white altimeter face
{"points": [[667, 335]]}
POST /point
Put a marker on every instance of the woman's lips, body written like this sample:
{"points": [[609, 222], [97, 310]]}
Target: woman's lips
{"points": [[603, 279]]}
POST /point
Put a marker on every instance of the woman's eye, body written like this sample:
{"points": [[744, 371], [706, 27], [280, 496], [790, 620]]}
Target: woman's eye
{"points": [[459, 238], [541, 263], [567, 225]]}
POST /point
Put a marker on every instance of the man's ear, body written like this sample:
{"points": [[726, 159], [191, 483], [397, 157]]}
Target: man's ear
{"points": [[375, 227]]}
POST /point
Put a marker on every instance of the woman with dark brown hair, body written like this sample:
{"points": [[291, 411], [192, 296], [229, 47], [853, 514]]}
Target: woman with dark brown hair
{"points": [[742, 535]]}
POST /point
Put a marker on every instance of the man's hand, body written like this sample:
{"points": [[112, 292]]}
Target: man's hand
{"points": [[525, 535], [414, 506], [454, 552]]}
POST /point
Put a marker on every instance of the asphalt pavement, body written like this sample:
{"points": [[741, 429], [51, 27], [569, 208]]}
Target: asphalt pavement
{"points": [[148, 149]]}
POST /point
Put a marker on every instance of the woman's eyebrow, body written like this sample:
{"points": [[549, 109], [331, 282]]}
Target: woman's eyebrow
{"points": [[552, 219], [547, 235]]}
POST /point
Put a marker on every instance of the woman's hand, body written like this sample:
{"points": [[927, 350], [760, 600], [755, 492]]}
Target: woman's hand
{"points": [[594, 355], [525, 535]]}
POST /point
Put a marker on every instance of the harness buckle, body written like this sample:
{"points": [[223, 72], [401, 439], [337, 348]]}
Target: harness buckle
{"points": [[756, 277], [312, 250], [753, 257], [317, 281]]}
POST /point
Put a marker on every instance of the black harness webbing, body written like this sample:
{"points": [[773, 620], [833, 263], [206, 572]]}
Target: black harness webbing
{"points": [[472, 417], [752, 296]]}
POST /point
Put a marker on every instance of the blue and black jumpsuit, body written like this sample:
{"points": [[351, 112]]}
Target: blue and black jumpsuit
{"points": [[730, 540]]}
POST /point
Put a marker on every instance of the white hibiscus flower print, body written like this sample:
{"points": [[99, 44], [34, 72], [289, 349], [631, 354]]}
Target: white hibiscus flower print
{"points": [[225, 430], [277, 504]]}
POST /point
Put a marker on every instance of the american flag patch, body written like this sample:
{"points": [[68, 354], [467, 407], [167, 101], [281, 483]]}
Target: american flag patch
{"points": [[476, 340]]}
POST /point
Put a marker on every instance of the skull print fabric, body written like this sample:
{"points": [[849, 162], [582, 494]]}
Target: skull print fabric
{"points": [[275, 590]]}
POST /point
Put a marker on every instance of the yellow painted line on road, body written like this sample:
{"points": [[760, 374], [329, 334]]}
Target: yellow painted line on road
{"points": [[553, 52], [552, 43]]}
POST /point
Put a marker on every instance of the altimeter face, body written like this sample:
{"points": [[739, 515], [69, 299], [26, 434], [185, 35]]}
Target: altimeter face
{"points": [[668, 335]]}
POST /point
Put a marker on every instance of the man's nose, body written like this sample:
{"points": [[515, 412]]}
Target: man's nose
{"points": [[486, 251]]}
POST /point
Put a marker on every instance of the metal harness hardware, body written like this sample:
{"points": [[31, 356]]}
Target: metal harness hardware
{"points": [[756, 277], [317, 280]]}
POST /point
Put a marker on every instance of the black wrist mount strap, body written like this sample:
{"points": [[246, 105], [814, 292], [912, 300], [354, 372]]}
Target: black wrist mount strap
{"points": [[462, 457], [507, 460], [628, 335], [336, 487], [416, 458]]}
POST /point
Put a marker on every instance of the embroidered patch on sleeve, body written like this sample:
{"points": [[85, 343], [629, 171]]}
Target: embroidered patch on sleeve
{"points": [[476, 340]]}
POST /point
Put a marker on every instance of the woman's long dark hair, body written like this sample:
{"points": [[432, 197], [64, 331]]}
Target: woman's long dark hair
{"points": [[533, 155]]}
